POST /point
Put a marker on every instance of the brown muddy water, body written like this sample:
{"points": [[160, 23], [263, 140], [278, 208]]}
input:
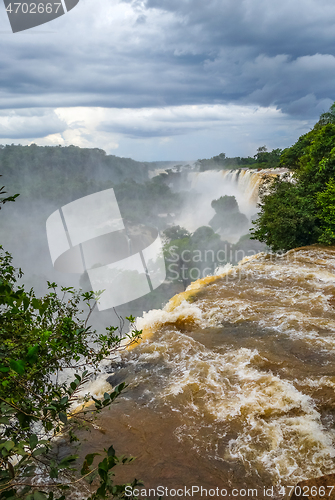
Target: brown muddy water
{"points": [[233, 383]]}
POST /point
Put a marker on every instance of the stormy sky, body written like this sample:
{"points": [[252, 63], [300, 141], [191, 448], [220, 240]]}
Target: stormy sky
{"points": [[169, 79]]}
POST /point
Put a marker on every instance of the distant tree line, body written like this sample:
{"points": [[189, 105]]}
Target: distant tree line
{"points": [[262, 159], [62, 174]]}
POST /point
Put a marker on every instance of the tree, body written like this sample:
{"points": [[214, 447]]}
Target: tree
{"points": [[204, 237], [225, 204], [40, 339], [176, 233], [328, 117], [228, 217], [297, 209], [193, 256], [326, 205], [286, 220], [266, 159], [261, 154]]}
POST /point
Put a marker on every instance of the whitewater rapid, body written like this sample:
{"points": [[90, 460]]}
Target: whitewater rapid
{"points": [[239, 372]]}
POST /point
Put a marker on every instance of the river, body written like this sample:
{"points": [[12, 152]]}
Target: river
{"points": [[232, 385]]}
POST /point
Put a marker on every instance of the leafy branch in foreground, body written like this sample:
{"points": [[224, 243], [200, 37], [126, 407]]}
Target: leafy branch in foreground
{"points": [[43, 341], [8, 198]]}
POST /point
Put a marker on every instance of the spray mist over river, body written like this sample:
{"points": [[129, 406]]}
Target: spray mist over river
{"points": [[233, 382], [204, 187]]}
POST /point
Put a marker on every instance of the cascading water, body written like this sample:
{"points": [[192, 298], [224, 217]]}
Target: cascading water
{"points": [[206, 186], [233, 383]]}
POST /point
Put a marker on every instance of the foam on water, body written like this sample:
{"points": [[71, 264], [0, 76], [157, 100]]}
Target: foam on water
{"points": [[276, 426], [245, 360]]}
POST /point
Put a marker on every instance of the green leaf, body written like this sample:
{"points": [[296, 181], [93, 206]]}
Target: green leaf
{"points": [[32, 354], [9, 495], [48, 426], [8, 445], [62, 417], [29, 471], [39, 451], [39, 495], [103, 465], [66, 461], [17, 366], [36, 303], [90, 457], [111, 452], [33, 440], [54, 473], [101, 491]]}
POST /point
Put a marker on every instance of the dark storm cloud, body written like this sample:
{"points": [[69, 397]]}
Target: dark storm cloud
{"points": [[295, 28], [175, 52]]}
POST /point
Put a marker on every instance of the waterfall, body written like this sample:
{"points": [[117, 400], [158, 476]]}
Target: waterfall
{"points": [[206, 186]]}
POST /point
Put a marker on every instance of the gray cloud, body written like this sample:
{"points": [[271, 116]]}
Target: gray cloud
{"points": [[156, 53], [29, 123]]}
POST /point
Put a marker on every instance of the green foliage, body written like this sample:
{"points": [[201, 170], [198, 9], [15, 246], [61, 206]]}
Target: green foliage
{"points": [[41, 338], [72, 172], [326, 205], [225, 204], [8, 198], [328, 117], [193, 256], [286, 219], [228, 216], [221, 161], [176, 233], [262, 159], [299, 209], [143, 202], [266, 159], [204, 237]]}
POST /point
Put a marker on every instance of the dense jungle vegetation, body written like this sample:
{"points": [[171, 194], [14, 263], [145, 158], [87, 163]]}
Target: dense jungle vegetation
{"points": [[299, 208], [262, 159]]}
